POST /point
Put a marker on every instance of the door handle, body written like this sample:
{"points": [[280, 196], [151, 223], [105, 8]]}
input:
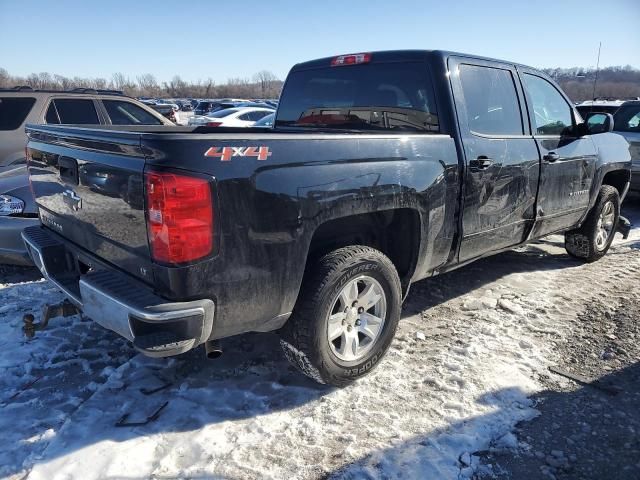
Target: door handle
{"points": [[481, 163], [551, 157]]}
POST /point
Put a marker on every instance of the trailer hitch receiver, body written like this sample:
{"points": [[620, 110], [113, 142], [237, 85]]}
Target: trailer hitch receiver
{"points": [[63, 309]]}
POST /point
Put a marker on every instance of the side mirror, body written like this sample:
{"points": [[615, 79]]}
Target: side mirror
{"points": [[599, 123]]}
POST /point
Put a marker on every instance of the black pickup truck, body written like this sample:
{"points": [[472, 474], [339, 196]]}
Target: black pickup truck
{"points": [[382, 169]]}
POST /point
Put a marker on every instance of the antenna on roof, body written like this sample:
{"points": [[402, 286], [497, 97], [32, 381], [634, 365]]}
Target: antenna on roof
{"points": [[595, 81]]}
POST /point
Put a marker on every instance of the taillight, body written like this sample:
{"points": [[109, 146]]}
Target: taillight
{"points": [[351, 59], [179, 217], [214, 124]]}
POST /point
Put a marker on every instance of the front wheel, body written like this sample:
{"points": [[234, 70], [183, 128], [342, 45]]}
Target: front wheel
{"points": [[346, 316], [592, 240]]}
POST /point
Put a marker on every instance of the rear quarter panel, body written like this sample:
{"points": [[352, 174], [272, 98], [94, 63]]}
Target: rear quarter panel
{"points": [[267, 211]]}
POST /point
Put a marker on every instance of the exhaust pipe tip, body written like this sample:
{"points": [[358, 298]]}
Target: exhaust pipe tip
{"points": [[212, 349]]}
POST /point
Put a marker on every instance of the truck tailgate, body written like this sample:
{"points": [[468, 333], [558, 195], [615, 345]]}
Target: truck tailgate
{"points": [[88, 185]]}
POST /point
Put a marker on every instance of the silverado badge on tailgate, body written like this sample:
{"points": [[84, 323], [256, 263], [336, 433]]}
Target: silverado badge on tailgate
{"points": [[72, 200], [226, 153]]}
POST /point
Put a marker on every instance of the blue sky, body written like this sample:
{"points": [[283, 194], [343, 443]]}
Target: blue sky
{"points": [[220, 39]]}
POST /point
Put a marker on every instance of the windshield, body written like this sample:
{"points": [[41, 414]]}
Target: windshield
{"points": [[385, 96]]}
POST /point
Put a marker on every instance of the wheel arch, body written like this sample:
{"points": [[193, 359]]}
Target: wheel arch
{"points": [[395, 232]]}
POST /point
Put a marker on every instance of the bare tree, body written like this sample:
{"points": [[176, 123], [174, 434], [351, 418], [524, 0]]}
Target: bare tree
{"points": [[5, 79], [148, 85], [266, 80]]}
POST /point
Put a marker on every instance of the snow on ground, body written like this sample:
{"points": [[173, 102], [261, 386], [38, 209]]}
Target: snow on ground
{"points": [[471, 349]]}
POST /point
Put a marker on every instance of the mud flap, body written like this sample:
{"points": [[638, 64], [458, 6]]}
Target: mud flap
{"points": [[624, 227]]}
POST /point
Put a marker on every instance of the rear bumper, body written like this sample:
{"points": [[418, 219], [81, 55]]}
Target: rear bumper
{"points": [[12, 249], [157, 327]]}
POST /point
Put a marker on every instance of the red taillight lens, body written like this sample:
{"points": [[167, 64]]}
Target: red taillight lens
{"points": [[351, 59], [214, 124], [180, 217]]}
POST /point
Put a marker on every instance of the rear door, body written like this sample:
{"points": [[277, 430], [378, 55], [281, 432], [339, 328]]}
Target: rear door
{"points": [[568, 161], [502, 161]]}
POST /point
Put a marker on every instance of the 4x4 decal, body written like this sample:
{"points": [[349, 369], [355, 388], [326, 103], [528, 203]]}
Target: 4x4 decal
{"points": [[226, 153]]}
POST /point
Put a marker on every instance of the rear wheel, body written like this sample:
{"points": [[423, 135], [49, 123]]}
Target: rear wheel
{"points": [[592, 240], [346, 316]]}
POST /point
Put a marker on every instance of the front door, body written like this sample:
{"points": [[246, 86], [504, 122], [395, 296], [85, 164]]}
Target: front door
{"points": [[502, 161], [568, 160]]}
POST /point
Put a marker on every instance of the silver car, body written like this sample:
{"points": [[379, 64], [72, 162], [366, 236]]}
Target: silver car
{"points": [[627, 124], [22, 105]]}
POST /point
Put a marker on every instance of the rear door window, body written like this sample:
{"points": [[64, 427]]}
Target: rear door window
{"points": [[491, 100], [375, 96], [74, 111], [14, 111], [127, 113], [257, 115]]}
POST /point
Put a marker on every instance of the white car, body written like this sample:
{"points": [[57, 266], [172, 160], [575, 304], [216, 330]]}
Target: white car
{"points": [[231, 117]]}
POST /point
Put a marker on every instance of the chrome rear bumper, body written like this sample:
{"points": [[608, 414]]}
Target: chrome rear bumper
{"points": [[156, 327]]}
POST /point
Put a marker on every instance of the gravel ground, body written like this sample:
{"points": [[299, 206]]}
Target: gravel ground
{"points": [[587, 431]]}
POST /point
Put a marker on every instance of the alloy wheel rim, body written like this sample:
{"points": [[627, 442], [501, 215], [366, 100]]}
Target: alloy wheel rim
{"points": [[356, 318], [604, 227]]}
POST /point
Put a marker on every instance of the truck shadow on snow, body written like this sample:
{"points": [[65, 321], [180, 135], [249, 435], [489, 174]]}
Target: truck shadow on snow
{"points": [[588, 432]]}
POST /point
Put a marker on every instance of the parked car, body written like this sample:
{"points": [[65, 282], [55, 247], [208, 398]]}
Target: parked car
{"points": [[256, 104], [22, 105], [266, 121], [231, 117], [382, 169], [167, 110], [598, 106], [208, 106], [627, 124]]}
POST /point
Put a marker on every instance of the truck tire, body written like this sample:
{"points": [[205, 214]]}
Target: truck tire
{"points": [[346, 316], [592, 240]]}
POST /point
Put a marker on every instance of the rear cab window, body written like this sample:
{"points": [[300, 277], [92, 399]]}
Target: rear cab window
{"points": [[368, 96], [14, 111], [72, 111]]}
